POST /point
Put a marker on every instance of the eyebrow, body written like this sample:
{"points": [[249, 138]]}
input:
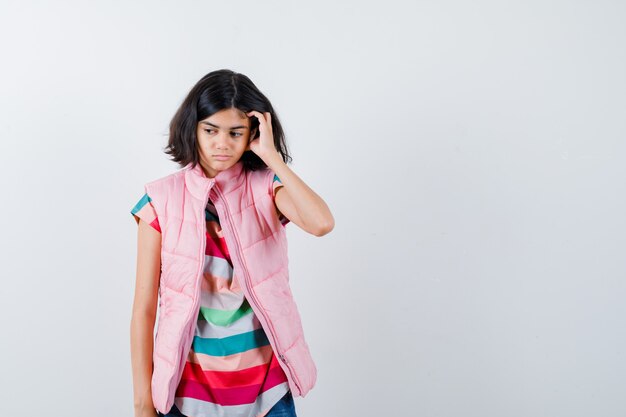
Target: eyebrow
{"points": [[231, 128]]}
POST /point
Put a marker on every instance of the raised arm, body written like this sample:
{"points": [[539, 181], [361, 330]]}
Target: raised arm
{"points": [[298, 202], [295, 200], [144, 316]]}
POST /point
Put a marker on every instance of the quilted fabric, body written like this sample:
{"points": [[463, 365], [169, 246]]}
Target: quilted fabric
{"points": [[257, 240]]}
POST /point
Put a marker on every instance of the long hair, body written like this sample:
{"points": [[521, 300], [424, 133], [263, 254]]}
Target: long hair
{"points": [[219, 90]]}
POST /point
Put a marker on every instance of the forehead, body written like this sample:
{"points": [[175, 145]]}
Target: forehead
{"points": [[228, 119]]}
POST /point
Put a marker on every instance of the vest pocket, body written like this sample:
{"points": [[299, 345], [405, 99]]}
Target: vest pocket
{"points": [[178, 272], [174, 309]]}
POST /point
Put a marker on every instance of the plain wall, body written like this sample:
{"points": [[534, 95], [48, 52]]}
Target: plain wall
{"points": [[472, 154]]}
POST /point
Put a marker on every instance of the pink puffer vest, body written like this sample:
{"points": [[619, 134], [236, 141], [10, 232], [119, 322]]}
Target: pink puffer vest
{"points": [[257, 243]]}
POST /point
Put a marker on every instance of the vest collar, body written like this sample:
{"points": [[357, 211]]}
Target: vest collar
{"points": [[199, 184]]}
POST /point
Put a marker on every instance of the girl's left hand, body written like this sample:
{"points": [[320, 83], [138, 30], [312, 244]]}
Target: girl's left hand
{"points": [[263, 146]]}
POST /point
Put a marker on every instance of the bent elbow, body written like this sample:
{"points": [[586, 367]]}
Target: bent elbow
{"points": [[325, 228]]}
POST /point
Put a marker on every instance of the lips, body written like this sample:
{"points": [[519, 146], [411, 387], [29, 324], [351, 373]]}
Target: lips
{"points": [[221, 157]]}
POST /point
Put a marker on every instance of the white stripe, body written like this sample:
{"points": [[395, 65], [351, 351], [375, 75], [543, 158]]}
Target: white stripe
{"points": [[223, 300], [216, 266], [198, 408]]}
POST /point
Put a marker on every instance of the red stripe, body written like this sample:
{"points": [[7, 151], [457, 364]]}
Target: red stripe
{"points": [[155, 224], [216, 246], [234, 395], [228, 379]]}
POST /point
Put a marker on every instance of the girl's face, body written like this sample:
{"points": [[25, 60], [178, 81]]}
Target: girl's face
{"points": [[222, 139]]}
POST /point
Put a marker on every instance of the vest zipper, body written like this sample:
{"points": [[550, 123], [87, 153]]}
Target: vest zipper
{"points": [[251, 292]]}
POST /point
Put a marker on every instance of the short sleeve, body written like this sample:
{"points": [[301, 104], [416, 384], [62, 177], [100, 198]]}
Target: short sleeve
{"points": [[275, 185], [144, 210]]}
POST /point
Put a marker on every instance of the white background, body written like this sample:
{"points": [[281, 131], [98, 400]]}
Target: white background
{"points": [[472, 154]]}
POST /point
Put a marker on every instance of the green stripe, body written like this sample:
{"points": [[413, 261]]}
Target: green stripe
{"points": [[224, 317]]}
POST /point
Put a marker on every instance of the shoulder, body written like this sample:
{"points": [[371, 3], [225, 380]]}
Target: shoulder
{"points": [[260, 179], [174, 176], [166, 182]]}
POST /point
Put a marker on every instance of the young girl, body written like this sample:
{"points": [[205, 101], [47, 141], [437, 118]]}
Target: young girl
{"points": [[212, 254]]}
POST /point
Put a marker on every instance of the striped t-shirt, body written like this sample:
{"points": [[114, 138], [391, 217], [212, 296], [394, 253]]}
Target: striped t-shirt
{"points": [[231, 369]]}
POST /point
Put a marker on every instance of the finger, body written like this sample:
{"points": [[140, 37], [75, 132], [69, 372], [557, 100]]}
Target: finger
{"points": [[258, 115], [254, 113]]}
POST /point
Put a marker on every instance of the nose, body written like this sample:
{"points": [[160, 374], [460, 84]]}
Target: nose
{"points": [[222, 141]]}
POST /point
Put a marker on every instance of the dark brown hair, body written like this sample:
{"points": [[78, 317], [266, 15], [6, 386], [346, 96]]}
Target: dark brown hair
{"points": [[219, 90]]}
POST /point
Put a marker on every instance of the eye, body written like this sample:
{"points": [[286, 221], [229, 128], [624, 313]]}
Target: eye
{"points": [[236, 134], [208, 130]]}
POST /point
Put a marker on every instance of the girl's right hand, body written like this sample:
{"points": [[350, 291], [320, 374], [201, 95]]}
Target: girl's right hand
{"points": [[146, 412]]}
